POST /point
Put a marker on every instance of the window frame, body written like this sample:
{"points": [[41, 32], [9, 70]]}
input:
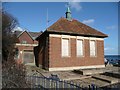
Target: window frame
{"points": [[25, 50], [24, 42], [95, 48], [83, 54], [17, 55], [69, 47]]}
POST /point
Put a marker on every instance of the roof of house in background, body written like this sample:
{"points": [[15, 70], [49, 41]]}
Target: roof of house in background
{"points": [[33, 35], [74, 27]]}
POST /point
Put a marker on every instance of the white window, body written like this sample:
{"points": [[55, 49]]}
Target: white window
{"points": [[92, 48], [24, 42], [65, 47], [16, 53], [79, 47]]}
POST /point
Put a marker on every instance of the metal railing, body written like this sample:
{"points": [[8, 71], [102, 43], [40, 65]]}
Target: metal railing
{"points": [[45, 82]]}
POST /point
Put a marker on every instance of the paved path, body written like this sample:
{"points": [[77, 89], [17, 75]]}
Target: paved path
{"points": [[66, 75], [108, 79]]}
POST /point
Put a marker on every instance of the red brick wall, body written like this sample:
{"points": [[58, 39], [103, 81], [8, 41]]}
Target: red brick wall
{"points": [[55, 59], [35, 42], [22, 48], [41, 52], [26, 37]]}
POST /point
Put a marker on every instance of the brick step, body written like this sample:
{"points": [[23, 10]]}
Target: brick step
{"points": [[76, 77], [92, 71], [106, 78], [113, 74]]}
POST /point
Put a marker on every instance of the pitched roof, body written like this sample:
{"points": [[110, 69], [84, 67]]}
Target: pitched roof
{"points": [[74, 27], [33, 35]]}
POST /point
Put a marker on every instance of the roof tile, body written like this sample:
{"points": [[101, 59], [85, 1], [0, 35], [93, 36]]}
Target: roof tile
{"points": [[32, 34], [74, 27]]}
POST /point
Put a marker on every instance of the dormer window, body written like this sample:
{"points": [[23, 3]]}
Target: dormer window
{"points": [[24, 42]]}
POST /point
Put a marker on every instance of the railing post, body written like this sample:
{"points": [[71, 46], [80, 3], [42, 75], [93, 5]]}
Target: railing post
{"points": [[64, 84], [36, 80], [73, 85], [31, 81], [70, 85], [89, 87], [93, 86], [47, 83], [50, 83], [60, 84], [79, 86], [57, 85], [40, 82], [44, 82]]}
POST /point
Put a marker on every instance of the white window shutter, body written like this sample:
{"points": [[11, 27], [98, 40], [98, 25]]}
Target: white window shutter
{"points": [[79, 48], [65, 47]]}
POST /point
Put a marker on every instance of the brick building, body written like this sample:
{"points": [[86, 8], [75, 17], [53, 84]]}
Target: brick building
{"points": [[69, 44], [24, 46]]}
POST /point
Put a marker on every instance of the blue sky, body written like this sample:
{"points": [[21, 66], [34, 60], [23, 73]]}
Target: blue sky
{"points": [[102, 16]]}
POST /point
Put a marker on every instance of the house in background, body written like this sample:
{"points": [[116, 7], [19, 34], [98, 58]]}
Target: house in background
{"points": [[24, 46], [69, 44]]}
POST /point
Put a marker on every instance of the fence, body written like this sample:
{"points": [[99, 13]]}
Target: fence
{"points": [[44, 82]]}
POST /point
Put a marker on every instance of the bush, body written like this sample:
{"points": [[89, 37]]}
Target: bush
{"points": [[13, 75]]}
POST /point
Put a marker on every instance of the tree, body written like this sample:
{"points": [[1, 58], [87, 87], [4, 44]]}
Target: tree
{"points": [[8, 38], [13, 74]]}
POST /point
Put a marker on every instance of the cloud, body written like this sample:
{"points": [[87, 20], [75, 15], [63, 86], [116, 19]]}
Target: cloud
{"points": [[111, 27], [111, 50], [75, 5], [17, 29], [88, 21], [108, 49]]}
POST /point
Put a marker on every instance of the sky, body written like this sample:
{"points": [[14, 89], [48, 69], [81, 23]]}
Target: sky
{"points": [[102, 16]]}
